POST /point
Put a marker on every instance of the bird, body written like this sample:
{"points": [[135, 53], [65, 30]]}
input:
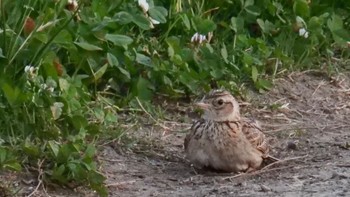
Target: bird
{"points": [[222, 139]]}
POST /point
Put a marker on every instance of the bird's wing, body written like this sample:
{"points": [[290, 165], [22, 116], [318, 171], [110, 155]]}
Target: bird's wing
{"points": [[193, 130], [253, 132]]}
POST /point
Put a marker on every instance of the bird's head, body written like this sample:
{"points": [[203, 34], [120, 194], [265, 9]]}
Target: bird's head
{"points": [[219, 105]]}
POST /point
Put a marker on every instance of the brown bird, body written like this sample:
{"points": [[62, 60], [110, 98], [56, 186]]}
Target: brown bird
{"points": [[222, 139]]}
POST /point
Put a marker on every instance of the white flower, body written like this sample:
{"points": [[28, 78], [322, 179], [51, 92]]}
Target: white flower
{"points": [[50, 89], [43, 86], [74, 3], [27, 69], [198, 38], [144, 5], [303, 32], [153, 21], [32, 70]]}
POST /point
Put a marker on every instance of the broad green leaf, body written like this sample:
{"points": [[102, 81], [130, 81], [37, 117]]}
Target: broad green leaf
{"points": [[158, 13], [253, 10], [100, 72], [144, 60], [111, 117], [301, 8], [247, 3], [31, 149], [88, 47], [224, 53], [125, 72], [254, 74], [263, 84], [186, 21], [237, 24], [64, 37], [42, 37], [13, 165], [123, 18], [120, 40], [56, 110], [12, 94], [335, 25], [64, 84], [205, 26], [143, 90], [216, 73], [142, 22], [54, 147], [112, 60], [90, 151], [266, 26]]}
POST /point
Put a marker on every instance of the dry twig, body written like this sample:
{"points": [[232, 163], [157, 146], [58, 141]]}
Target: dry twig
{"points": [[266, 168], [40, 178]]}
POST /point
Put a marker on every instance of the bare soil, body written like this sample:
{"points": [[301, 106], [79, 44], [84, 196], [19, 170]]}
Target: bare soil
{"points": [[307, 117]]}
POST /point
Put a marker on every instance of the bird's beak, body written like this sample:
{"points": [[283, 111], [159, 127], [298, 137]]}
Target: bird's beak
{"points": [[202, 105]]}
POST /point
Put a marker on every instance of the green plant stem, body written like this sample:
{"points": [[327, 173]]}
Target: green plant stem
{"points": [[44, 47]]}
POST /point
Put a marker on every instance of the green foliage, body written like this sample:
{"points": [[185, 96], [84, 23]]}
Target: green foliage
{"points": [[57, 60]]}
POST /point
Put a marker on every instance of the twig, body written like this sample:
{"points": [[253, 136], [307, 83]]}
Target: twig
{"points": [[120, 183], [283, 161], [40, 177], [266, 168], [318, 87], [155, 120]]}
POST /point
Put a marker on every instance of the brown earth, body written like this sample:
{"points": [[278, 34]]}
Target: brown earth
{"points": [[306, 116]]}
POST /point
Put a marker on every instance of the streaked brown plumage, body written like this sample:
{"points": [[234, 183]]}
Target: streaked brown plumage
{"points": [[222, 139]]}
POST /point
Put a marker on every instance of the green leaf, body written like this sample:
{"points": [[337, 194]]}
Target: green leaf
{"points": [[31, 149], [112, 60], [255, 74], [54, 146], [123, 18], [336, 26], [144, 60], [56, 110], [143, 90], [253, 10], [125, 72], [119, 40], [186, 21], [263, 84], [204, 26], [237, 24], [141, 21], [12, 94], [224, 53], [64, 84], [13, 165], [266, 26], [301, 8], [88, 47], [1, 54], [100, 72], [90, 151], [158, 13]]}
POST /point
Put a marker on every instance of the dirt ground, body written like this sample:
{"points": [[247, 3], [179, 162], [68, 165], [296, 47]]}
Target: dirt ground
{"points": [[307, 117]]}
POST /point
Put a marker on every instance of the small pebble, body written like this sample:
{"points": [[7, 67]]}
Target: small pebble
{"points": [[291, 145], [264, 188]]}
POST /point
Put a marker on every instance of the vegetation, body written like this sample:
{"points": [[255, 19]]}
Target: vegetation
{"points": [[67, 67]]}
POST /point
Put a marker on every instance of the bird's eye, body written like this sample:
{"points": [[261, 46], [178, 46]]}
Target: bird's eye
{"points": [[220, 102]]}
